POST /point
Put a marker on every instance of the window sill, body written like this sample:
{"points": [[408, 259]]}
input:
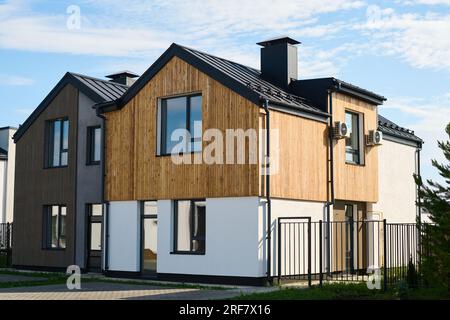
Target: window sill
{"points": [[188, 253], [178, 154], [54, 249], [93, 163], [56, 167], [354, 164]]}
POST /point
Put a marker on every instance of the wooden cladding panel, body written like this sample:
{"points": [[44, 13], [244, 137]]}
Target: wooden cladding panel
{"points": [[36, 186], [302, 160], [355, 182], [134, 171]]}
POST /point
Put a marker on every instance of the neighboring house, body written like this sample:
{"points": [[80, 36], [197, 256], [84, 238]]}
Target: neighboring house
{"points": [[58, 191], [399, 159], [210, 222], [7, 165]]}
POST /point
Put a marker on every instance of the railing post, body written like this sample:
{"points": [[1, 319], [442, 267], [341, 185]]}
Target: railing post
{"points": [[279, 251], [385, 279], [309, 253], [8, 244], [320, 253]]}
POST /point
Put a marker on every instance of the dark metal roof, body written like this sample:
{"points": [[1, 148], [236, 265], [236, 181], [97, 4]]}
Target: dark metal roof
{"points": [[278, 40], [97, 89], [3, 154], [390, 128], [242, 79]]}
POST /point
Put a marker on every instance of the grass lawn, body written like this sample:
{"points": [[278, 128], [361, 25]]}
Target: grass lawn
{"points": [[2, 261], [347, 292]]}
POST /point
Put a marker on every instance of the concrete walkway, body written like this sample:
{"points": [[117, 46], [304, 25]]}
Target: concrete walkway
{"points": [[121, 291]]}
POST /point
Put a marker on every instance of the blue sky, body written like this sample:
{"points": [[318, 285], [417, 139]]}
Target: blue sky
{"points": [[397, 48]]}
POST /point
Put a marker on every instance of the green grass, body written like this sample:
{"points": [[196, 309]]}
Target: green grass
{"points": [[346, 292], [50, 278], [2, 261]]}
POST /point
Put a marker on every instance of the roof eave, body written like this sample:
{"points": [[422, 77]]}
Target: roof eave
{"points": [[367, 96]]}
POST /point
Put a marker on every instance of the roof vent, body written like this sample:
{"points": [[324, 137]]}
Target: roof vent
{"points": [[123, 77], [279, 61]]}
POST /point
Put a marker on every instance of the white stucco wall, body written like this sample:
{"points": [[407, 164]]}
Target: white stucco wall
{"points": [[124, 236], [231, 240], [397, 189], [7, 143], [3, 174]]}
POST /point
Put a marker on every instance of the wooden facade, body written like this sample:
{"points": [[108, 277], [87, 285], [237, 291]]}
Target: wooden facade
{"points": [[36, 187], [133, 169], [355, 182]]}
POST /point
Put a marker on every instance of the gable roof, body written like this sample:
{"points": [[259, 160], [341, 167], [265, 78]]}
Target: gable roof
{"points": [[242, 79], [3, 154], [97, 89], [390, 128]]}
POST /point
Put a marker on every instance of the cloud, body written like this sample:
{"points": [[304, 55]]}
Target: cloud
{"points": [[422, 40], [428, 118], [8, 80]]}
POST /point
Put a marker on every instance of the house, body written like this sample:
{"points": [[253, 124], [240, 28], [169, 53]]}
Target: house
{"points": [[58, 191], [256, 146], [7, 165]]}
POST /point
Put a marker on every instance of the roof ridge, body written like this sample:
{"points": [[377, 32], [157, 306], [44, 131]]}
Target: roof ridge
{"points": [[217, 57], [97, 79]]}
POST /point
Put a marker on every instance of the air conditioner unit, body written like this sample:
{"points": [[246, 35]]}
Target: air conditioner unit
{"points": [[374, 137], [340, 130]]}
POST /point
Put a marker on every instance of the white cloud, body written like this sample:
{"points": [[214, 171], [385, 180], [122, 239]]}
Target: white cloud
{"points": [[422, 40], [428, 118], [9, 80]]}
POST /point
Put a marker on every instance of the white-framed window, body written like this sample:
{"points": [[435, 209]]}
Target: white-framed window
{"points": [[354, 141]]}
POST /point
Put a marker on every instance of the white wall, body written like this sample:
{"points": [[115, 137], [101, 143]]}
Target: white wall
{"points": [[397, 189], [231, 240], [7, 201], [124, 236], [3, 174], [286, 208]]}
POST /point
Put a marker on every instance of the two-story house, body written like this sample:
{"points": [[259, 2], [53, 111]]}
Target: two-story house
{"points": [[256, 145], [58, 190]]}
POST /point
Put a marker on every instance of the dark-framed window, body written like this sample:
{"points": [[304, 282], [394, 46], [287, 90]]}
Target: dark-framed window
{"points": [[352, 142], [182, 112], [54, 227], [95, 214], [189, 226], [57, 143], [94, 138]]}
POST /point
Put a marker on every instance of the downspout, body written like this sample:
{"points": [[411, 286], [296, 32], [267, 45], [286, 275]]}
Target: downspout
{"points": [[419, 209], [105, 204], [269, 203], [331, 182]]}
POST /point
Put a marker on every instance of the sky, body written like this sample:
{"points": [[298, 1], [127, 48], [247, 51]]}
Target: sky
{"points": [[398, 48]]}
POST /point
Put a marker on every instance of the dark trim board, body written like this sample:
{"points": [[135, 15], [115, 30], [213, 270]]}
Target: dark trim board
{"points": [[190, 278], [43, 268]]}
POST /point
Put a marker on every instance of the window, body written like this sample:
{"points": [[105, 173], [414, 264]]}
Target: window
{"points": [[57, 143], [54, 227], [189, 227], [352, 142], [180, 113], [94, 145], [95, 212]]}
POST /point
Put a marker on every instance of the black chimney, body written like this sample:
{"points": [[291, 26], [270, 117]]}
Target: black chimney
{"points": [[279, 64], [123, 77]]}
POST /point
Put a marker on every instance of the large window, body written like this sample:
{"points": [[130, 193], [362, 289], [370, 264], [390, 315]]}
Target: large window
{"points": [[57, 143], [54, 233], [352, 142], [180, 113], [189, 227], [94, 135], [95, 212]]}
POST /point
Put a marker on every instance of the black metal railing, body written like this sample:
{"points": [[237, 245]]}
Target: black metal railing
{"points": [[346, 250], [5, 244]]}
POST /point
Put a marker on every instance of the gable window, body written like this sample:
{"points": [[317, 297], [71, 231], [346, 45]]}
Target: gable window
{"points": [[180, 113], [189, 227], [94, 145], [57, 143], [54, 228], [352, 142]]}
